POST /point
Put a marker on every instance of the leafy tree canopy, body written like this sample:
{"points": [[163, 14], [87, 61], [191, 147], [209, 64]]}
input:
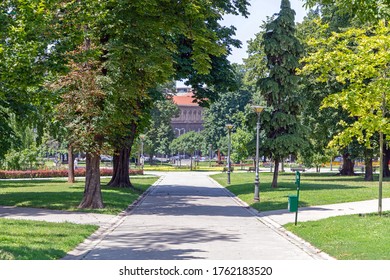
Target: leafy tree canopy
{"points": [[367, 10]]}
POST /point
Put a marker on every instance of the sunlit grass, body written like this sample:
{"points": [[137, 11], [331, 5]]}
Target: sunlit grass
{"points": [[316, 189], [58, 194], [364, 237], [32, 240]]}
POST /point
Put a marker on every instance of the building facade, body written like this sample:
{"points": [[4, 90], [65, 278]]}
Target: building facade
{"points": [[191, 114]]}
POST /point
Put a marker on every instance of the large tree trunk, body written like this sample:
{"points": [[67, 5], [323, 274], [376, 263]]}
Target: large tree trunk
{"points": [[121, 177], [92, 191], [348, 166], [386, 159], [369, 174], [70, 165], [276, 173]]}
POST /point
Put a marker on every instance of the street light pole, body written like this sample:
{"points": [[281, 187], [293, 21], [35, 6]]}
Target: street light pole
{"points": [[210, 146], [142, 137], [258, 110], [229, 127]]}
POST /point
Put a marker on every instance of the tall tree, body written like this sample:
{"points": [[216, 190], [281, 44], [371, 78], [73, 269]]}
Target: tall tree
{"points": [[184, 40], [25, 62], [280, 89], [323, 124], [359, 58]]}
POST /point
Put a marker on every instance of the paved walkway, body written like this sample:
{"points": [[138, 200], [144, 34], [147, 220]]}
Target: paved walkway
{"points": [[189, 216]]}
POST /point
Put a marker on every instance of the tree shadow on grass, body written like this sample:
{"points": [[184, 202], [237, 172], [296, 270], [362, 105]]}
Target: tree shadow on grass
{"points": [[115, 199], [32, 253], [32, 183]]}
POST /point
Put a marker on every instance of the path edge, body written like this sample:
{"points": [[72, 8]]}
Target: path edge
{"points": [[85, 247], [305, 246]]}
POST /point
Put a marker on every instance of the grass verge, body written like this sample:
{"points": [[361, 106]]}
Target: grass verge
{"points": [[353, 237], [31, 240], [316, 189], [58, 194]]}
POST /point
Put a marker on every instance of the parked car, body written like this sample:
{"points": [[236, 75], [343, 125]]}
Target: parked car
{"points": [[105, 158]]}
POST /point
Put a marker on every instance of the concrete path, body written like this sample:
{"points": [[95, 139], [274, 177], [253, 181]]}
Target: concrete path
{"points": [[189, 216]]}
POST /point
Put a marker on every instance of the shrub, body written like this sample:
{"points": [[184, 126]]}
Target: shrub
{"points": [[13, 174]]}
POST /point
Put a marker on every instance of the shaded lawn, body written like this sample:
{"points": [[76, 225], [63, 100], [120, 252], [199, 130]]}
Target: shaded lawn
{"points": [[316, 189], [58, 194], [32, 240], [349, 237]]}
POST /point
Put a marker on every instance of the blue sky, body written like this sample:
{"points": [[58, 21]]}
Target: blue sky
{"points": [[248, 27]]}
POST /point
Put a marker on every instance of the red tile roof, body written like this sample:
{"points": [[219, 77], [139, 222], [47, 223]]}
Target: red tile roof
{"points": [[185, 100]]}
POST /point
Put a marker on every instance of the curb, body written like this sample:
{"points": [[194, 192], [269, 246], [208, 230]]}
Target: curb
{"points": [[84, 248], [305, 246]]}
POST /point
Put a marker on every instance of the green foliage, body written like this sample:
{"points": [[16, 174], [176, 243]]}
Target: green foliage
{"points": [[241, 140], [188, 142], [358, 59], [280, 88], [229, 108], [160, 134], [366, 10]]}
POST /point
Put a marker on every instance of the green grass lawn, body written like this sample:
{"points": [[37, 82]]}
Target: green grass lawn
{"points": [[349, 237], [58, 194], [316, 189], [32, 240]]}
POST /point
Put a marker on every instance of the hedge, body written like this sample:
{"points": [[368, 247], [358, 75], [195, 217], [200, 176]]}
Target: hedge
{"points": [[16, 174]]}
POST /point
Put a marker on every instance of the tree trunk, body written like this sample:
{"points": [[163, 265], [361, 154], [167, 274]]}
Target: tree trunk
{"points": [[348, 166], [369, 174], [70, 165], [92, 191], [276, 173], [386, 159], [121, 177]]}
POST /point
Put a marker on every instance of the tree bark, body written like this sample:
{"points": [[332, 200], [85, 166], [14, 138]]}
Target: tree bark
{"points": [[276, 173], [369, 171], [92, 192], [348, 166], [121, 177], [71, 178]]}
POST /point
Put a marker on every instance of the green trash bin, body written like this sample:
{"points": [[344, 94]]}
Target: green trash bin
{"points": [[292, 203]]}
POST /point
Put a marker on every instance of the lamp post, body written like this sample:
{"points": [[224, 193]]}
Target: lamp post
{"points": [[142, 138], [178, 152], [229, 127], [210, 146], [258, 110]]}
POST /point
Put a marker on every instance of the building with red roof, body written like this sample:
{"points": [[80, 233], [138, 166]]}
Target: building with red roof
{"points": [[191, 114]]}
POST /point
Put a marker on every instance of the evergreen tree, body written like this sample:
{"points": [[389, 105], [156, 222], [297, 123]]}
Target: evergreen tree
{"points": [[280, 89]]}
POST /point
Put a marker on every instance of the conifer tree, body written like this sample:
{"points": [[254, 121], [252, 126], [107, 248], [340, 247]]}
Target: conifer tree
{"points": [[280, 88]]}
